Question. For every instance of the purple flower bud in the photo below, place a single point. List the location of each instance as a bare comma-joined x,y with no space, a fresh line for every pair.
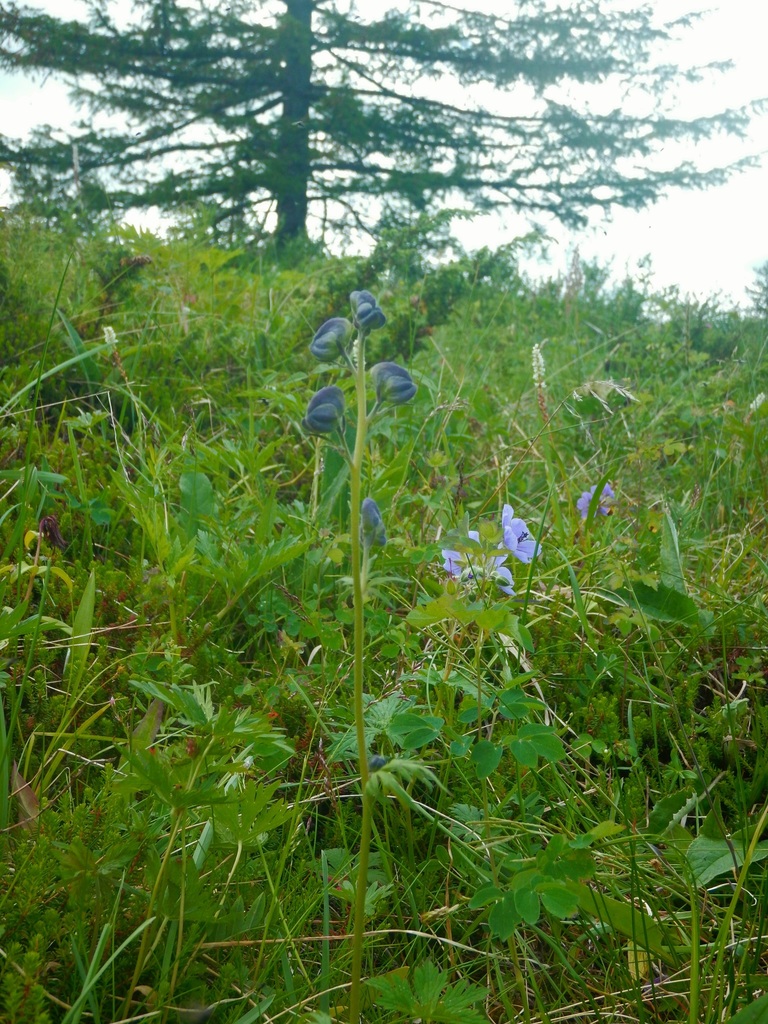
325,412
366,311
331,339
393,383
372,525
376,761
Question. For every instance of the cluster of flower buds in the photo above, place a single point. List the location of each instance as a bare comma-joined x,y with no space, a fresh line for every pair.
333,341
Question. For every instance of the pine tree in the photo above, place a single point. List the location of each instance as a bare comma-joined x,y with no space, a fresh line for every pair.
294,108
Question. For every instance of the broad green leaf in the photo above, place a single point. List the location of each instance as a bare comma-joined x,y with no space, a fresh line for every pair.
528,905
515,703
661,603
460,747
627,920
755,1013
710,858
411,730
198,500
487,894
447,606
558,899
534,741
486,757
492,619
524,753
504,917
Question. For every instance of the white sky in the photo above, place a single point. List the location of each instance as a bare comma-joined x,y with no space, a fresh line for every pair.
704,242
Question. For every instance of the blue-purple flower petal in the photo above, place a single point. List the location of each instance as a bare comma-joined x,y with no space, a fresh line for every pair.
583,503
517,537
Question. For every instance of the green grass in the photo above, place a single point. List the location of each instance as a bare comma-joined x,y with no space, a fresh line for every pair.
571,823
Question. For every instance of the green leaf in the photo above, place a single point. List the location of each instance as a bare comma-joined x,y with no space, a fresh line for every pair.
411,730
515,703
504,917
755,1013
528,905
710,858
662,603
558,899
430,996
486,757
78,348
80,642
198,500
671,564
665,810
534,741
627,920
444,607
492,619
487,894
460,747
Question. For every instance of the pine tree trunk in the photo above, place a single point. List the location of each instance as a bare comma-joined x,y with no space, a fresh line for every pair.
293,169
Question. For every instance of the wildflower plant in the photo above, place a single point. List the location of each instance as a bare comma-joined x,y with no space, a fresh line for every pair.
602,505
342,340
475,561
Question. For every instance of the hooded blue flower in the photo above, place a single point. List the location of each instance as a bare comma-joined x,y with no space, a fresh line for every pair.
393,383
469,566
325,412
517,537
330,340
366,312
372,525
583,503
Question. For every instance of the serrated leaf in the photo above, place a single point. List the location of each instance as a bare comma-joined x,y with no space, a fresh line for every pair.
665,810
430,997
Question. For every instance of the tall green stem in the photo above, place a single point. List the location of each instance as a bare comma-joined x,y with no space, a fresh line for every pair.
355,483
